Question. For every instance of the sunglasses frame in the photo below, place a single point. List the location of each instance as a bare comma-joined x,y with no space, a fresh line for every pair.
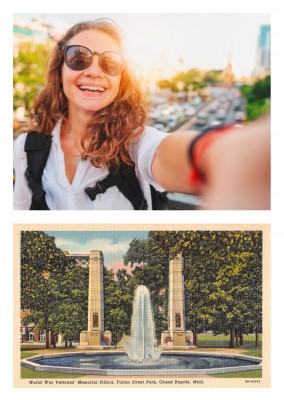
65,48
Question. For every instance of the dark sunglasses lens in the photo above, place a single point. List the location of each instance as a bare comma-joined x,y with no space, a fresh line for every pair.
78,58
111,63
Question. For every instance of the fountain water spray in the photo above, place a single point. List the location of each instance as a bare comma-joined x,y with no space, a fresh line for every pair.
142,343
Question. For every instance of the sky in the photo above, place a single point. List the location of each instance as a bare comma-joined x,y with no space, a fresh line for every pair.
163,44
113,244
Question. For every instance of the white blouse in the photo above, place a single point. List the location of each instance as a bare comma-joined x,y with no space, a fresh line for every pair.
61,195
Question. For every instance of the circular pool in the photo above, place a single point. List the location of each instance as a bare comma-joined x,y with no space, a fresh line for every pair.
118,363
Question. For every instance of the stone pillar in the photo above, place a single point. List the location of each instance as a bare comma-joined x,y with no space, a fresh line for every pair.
176,302
96,292
95,336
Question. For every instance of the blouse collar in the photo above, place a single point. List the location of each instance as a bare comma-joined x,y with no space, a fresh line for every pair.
56,132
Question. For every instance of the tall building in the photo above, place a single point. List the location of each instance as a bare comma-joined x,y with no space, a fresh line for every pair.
263,58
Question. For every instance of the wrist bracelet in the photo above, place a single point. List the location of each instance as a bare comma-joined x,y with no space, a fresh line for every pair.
197,147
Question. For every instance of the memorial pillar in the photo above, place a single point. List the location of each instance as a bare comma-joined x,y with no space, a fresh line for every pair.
176,302
95,336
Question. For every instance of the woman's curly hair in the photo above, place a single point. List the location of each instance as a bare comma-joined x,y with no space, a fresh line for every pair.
110,129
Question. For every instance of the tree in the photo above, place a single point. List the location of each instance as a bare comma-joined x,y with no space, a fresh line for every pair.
223,271
212,77
257,97
71,315
42,267
29,72
118,298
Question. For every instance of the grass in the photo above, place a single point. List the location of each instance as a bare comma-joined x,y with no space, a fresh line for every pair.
221,341
26,354
244,374
27,373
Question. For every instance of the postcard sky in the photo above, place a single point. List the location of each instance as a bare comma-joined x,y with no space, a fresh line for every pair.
113,244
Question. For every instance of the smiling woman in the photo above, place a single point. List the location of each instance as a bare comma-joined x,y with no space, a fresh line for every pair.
92,109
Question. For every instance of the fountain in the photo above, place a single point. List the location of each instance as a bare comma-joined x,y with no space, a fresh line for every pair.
142,343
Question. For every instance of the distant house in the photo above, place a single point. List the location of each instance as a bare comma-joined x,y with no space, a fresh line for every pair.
29,333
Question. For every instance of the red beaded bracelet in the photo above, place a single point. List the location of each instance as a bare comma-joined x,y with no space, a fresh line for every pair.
197,147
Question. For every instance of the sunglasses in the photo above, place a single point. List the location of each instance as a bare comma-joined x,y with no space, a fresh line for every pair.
79,58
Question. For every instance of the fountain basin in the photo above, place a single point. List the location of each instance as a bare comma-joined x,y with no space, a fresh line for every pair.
118,363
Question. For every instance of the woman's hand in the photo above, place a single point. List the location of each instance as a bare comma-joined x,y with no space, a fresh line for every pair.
236,167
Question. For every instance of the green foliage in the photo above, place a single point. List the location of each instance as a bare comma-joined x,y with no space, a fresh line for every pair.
257,97
194,78
71,316
42,264
118,298
223,278
29,72
55,292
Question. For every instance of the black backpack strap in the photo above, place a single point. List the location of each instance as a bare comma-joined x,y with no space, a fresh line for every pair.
159,199
37,147
126,181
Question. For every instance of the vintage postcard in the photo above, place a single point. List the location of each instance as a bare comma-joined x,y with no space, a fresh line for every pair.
157,306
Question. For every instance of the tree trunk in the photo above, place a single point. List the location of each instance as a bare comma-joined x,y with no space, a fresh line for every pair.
241,339
236,338
70,343
232,339
53,339
256,338
47,343
195,339
66,342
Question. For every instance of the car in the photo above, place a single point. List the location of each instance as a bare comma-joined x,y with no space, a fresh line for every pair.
201,120
240,116
238,105
172,122
221,114
215,123
159,126
213,108
196,101
189,111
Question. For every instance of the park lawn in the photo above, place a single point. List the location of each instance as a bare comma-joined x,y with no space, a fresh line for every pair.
222,341
27,354
27,373
243,374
